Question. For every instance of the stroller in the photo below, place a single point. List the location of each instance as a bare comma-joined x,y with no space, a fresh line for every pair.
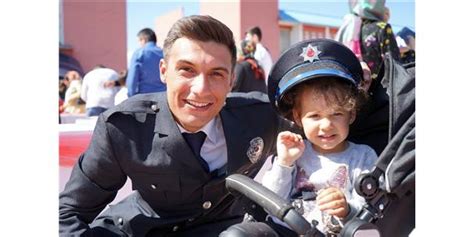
389,209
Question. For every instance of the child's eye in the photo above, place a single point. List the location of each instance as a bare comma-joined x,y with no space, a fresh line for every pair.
338,114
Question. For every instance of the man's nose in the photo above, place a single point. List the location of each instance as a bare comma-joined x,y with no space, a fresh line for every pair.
200,84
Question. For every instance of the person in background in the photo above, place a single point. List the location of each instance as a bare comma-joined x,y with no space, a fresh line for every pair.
143,72
367,22
121,84
72,100
406,43
97,96
177,146
63,85
122,93
249,76
262,55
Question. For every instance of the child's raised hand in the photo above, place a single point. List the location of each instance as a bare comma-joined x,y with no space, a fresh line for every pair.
290,147
333,202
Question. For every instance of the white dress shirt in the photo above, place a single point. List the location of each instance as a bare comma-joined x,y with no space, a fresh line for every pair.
214,149
94,93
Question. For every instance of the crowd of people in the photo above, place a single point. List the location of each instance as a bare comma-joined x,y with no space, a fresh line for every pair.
179,132
102,87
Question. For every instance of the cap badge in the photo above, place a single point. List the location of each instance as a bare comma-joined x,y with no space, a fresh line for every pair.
310,53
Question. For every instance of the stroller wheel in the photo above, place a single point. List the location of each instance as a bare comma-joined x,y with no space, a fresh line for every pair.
368,185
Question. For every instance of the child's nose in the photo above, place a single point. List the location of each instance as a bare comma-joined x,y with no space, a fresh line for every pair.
325,123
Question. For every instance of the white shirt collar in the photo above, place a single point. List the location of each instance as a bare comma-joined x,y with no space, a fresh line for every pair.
210,129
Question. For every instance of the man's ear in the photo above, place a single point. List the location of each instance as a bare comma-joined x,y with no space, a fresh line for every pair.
163,68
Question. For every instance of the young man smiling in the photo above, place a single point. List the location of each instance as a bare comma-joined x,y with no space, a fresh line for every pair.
179,187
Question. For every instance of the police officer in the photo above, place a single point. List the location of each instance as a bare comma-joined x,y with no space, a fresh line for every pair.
175,146
303,61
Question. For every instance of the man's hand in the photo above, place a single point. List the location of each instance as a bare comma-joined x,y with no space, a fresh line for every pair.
333,202
290,147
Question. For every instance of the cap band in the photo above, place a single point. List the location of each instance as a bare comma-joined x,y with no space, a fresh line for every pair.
284,84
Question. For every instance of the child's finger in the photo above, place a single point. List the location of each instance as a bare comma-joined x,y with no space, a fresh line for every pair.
333,205
329,194
339,212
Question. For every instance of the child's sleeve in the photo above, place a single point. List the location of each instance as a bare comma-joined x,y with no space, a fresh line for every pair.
279,179
355,202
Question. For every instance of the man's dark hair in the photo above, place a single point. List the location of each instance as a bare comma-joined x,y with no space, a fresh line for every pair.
201,28
256,31
147,34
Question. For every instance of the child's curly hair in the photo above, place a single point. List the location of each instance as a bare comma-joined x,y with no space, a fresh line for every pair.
336,92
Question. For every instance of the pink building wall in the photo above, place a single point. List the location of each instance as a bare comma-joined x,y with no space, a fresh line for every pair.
226,12
164,22
96,31
265,15
240,15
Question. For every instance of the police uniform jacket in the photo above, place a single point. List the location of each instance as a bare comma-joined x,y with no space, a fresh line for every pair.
140,139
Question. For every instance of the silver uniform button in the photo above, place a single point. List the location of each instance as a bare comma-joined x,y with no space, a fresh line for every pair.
154,107
120,220
153,186
207,205
175,228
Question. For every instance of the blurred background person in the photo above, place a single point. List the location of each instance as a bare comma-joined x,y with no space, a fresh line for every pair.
122,93
63,85
406,44
249,76
143,72
262,55
121,85
366,32
95,93
73,103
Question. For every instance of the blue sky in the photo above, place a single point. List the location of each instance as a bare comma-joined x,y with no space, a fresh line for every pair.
141,14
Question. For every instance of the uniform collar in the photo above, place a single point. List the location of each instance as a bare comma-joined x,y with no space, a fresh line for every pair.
210,129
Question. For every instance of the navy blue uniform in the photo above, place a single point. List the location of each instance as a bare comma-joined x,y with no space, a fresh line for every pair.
172,193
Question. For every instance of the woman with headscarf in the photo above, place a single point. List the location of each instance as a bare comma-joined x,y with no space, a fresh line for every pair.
366,32
249,76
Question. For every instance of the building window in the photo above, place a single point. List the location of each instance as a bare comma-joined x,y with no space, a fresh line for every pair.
285,39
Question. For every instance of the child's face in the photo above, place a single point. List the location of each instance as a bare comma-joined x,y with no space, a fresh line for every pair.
327,127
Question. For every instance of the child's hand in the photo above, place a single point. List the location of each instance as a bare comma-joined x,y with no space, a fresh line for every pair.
290,147
333,202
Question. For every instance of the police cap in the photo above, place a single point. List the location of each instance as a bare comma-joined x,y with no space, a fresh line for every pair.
311,59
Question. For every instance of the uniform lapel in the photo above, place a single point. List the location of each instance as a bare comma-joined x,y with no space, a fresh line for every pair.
172,142
237,136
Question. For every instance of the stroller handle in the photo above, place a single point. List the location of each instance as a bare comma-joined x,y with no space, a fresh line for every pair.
271,202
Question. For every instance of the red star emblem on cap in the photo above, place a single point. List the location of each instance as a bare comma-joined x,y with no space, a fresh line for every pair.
310,53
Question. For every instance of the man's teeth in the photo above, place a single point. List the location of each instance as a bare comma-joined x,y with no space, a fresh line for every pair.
197,104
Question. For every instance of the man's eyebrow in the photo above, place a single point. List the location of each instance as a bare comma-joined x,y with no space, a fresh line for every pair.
184,61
